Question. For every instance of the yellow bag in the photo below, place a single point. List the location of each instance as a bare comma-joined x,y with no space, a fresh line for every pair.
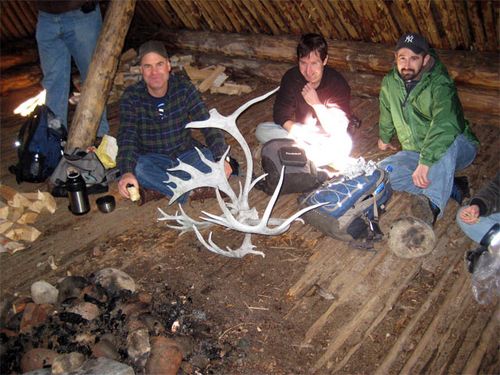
107,151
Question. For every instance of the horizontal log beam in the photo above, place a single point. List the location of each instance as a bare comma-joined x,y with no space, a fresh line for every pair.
472,68
362,84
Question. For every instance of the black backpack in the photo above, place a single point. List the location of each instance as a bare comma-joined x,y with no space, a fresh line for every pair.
300,173
39,145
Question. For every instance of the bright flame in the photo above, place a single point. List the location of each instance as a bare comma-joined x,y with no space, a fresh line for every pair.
25,108
328,144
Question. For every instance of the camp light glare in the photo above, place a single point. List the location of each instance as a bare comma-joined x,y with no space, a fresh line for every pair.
26,107
328,144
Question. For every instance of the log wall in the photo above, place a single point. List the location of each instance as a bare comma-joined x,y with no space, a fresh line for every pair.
448,24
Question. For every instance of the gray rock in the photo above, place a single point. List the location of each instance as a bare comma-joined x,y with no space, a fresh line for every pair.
103,366
114,280
86,310
71,287
105,348
138,345
64,363
43,292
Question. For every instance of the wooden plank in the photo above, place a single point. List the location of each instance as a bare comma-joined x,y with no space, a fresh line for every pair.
404,16
463,23
275,15
446,19
220,13
21,29
262,26
489,25
177,7
476,25
257,8
287,10
232,14
422,11
237,4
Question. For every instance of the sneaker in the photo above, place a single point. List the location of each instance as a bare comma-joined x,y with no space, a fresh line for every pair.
423,209
148,195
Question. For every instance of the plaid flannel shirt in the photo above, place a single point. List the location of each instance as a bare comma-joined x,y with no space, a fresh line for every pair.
146,127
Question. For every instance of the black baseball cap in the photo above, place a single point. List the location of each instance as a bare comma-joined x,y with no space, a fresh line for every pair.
152,46
416,42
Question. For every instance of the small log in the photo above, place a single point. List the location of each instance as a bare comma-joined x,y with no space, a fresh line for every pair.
128,56
5,225
205,85
196,74
13,197
100,76
4,210
231,89
28,218
45,201
22,232
15,213
7,245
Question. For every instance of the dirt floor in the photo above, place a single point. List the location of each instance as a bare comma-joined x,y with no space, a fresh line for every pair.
311,305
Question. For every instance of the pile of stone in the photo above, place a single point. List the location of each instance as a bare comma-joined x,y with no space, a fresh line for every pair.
99,325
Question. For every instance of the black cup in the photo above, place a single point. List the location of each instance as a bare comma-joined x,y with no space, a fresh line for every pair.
106,204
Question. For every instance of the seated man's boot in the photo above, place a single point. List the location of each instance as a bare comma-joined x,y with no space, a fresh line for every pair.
148,195
460,189
422,208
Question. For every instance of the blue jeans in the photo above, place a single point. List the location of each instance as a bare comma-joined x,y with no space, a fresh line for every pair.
269,130
151,170
61,37
459,155
477,231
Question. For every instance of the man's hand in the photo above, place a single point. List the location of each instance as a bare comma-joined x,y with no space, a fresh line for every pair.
385,146
420,176
127,178
310,95
470,214
227,169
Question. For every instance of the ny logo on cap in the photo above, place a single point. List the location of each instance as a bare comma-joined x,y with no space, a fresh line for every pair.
409,39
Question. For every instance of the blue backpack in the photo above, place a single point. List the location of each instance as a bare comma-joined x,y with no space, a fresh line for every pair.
39,146
349,210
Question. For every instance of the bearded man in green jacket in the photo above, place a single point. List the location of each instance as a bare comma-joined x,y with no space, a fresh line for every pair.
419,104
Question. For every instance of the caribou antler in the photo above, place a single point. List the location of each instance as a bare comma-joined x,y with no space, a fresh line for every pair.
237,214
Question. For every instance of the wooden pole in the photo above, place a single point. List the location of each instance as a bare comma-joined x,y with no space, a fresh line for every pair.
100,76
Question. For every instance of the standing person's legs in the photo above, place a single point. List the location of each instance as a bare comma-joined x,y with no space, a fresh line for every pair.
55,61
81,32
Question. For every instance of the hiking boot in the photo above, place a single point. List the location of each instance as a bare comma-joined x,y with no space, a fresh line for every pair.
148,195
422,208
460,189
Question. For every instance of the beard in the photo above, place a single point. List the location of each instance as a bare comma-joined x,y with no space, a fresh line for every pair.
408,74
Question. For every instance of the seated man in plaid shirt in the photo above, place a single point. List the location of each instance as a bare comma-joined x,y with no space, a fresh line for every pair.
153,117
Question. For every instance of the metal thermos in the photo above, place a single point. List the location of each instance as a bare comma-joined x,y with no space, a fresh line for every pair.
77,193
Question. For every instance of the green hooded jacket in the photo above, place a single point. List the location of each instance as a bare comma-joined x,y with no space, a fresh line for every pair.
428,119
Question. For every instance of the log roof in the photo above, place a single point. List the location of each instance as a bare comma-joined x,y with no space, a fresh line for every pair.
447,24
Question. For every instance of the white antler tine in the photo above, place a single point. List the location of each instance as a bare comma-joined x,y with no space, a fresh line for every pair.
274,197
248,104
